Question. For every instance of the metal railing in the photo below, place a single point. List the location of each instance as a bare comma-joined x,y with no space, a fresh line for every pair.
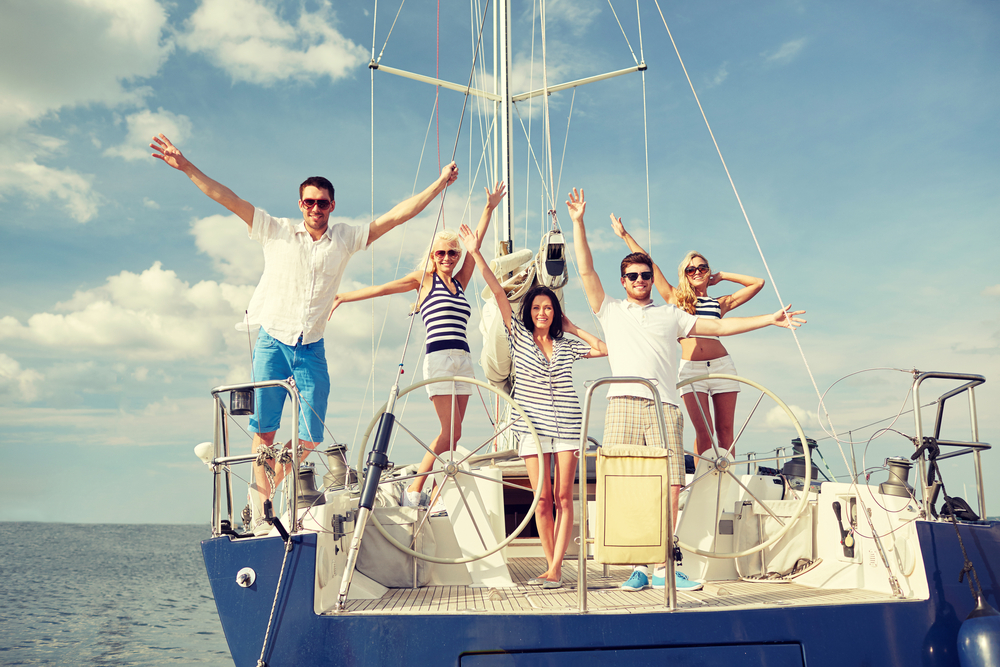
973,447
222,482
670,589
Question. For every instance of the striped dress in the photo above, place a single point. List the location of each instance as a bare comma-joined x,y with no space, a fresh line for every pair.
544,388
445,317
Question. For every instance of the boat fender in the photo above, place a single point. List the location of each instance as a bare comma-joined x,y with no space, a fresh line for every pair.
979,637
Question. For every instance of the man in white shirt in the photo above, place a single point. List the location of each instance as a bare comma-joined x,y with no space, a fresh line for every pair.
642,341
303,264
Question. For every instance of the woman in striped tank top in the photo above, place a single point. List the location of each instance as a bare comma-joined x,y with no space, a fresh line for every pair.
543,386
440,281
701,355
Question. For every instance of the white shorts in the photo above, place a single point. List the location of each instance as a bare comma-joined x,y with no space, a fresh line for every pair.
529,447
445,363
691,369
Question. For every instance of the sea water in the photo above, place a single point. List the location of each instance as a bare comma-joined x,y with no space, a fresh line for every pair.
104,594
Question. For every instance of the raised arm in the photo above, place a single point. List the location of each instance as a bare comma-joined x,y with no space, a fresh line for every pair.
584,260
731,326
172,156
408,282
492,201
597,346
408,208
471,241
750,284
663,285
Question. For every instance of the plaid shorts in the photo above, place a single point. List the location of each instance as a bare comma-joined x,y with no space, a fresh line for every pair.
631,420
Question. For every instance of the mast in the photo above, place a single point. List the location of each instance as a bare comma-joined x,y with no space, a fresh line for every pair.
503,137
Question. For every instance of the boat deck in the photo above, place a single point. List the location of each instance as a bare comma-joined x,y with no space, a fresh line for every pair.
603,595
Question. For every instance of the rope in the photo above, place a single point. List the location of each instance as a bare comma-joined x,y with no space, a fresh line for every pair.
277,591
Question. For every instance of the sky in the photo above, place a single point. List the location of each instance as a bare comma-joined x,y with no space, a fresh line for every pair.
860,135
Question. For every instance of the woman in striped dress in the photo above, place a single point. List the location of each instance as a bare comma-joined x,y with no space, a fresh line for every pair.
701,355
440,283
543,386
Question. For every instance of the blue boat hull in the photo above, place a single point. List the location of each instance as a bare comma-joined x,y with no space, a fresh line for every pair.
910,633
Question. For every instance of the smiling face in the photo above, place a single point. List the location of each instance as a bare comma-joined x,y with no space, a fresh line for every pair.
312,203
445,255
638,290
542,313
698,273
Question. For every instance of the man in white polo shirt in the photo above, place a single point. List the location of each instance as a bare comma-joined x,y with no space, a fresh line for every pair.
304,261
642,341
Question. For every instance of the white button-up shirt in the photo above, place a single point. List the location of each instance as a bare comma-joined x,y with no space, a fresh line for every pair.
642,341
301,276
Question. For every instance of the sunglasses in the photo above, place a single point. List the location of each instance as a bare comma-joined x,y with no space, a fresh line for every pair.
633,276
322,203
701,268
441,254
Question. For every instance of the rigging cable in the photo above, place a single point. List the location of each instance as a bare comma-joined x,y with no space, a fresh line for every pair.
746,217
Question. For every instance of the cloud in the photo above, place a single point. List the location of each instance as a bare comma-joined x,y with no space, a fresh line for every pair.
19,384
777,418
149,316
64,53
93,52
786,52
224,239
21,171
252,43
141,128
720,76
992,290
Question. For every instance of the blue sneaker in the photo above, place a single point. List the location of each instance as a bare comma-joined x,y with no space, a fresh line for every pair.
682,582
637,582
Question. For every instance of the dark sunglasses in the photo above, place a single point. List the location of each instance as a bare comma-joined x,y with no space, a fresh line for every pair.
701,268
633,276
440,254
322,203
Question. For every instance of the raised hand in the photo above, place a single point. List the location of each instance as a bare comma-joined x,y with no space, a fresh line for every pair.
787,319
618,227
576,205
469,238
168,152
493,198
715,278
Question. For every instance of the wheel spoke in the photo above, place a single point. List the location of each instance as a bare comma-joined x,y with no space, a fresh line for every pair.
488,441
468,509
694,481
749,416
756,499
509,485
419,441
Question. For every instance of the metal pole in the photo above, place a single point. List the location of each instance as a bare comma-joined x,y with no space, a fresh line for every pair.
974,417
216,435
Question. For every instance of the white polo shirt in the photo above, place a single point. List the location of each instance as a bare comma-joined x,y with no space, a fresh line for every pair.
642,341
301,276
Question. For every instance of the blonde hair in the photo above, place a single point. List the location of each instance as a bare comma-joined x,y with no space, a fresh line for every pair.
684,294
451,237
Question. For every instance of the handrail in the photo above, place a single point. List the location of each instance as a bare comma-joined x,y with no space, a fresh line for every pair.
670,589
221,457
974,446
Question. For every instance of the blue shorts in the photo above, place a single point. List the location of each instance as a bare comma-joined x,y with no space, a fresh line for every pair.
273,360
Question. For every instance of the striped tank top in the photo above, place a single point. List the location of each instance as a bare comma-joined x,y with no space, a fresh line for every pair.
445,317
709,308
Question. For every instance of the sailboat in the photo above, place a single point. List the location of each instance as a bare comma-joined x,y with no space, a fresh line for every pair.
798,569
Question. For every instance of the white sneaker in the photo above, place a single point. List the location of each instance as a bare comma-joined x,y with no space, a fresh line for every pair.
413,499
